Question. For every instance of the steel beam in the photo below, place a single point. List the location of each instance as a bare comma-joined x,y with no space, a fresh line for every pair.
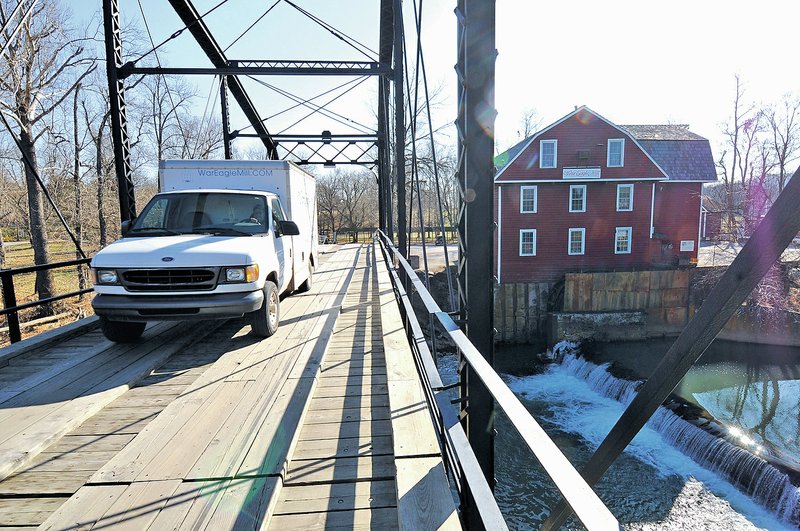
476,66
373,69
226,121
191,18
400,131
119,122
385,45
762,250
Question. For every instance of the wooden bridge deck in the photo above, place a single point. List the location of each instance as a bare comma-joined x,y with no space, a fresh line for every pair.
202,426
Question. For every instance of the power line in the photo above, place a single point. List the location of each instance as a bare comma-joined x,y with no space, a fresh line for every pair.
252,25
174,35
158,62
319,108
337,33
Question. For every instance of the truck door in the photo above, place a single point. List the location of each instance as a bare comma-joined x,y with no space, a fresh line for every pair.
283,246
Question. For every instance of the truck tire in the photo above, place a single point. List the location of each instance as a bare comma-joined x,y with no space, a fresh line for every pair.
265,320
122,331
305,286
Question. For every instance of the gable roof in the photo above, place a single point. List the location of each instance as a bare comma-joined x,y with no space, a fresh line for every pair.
505,159
684,155
662,132
511,153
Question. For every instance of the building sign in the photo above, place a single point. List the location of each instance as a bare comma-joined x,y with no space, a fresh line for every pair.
581,173
687,245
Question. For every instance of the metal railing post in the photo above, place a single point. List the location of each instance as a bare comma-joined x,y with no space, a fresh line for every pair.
10,301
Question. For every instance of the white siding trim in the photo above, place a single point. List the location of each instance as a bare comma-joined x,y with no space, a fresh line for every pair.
629,230
553,141
499,230
700,224
652,211
619,186
535,199
585,200
527,231
621,153
583,241
621,180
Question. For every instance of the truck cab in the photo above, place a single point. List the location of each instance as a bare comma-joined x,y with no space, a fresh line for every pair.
203,253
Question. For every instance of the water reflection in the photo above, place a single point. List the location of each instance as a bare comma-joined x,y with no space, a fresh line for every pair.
752,390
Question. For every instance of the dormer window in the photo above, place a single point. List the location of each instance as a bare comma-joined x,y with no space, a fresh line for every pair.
548,153
616,153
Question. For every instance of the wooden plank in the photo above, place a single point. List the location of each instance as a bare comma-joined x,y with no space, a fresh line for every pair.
340,469
28,439
337,497
190,505
343,447
275,438
346,430
324,416
41,483
27,511
91,443
379,518
138,505
244,504
46,338
335,403
366,380
68,462
84,509
351,391
174,458
424,499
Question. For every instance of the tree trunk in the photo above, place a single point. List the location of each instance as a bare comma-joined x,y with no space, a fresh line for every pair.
100,184
44,279
76,179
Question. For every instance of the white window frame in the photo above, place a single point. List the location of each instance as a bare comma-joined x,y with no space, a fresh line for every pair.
582,232
620,187
555,153
574,187
621,141
629,231
522,199
527,231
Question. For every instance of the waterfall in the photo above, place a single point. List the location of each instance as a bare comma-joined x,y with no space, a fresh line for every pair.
749,472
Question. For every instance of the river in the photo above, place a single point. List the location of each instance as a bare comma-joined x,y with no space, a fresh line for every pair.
673,475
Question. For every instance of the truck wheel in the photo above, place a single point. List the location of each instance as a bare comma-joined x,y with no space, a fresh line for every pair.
305,286
265,319
122,331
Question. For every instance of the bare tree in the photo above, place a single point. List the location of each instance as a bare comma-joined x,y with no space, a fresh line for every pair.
165,104
745,146
329,203
529,123
39,71
784,125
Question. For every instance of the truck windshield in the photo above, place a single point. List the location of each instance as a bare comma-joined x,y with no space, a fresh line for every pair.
223,214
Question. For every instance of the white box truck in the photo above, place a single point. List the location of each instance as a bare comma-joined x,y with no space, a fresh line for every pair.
221,239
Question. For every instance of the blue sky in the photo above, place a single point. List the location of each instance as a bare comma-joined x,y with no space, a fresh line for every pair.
630,61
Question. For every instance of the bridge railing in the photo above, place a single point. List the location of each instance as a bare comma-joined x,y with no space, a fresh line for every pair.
458,454
10,307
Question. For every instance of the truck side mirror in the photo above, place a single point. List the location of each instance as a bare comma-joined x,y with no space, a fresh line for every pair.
126,226
288,228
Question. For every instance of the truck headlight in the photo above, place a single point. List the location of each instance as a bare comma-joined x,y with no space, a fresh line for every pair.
105,276
242,274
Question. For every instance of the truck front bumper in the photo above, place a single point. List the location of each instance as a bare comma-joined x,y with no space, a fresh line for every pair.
176,307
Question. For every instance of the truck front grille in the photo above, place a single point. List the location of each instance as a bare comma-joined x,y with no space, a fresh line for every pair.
170,279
